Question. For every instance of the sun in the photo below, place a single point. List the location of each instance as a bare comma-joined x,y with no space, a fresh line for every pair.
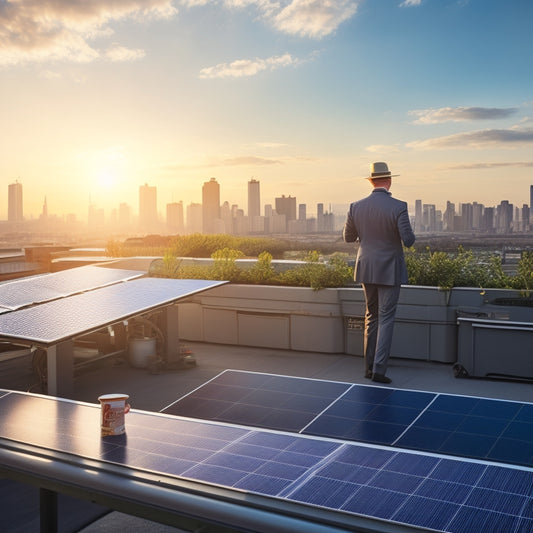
106,179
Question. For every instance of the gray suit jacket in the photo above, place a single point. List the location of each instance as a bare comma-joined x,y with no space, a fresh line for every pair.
381,224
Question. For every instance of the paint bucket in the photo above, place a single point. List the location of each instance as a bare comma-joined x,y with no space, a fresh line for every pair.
113,409
140,350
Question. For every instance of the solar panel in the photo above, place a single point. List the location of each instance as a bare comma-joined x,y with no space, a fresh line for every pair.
352,479
457,425
45,287
52,322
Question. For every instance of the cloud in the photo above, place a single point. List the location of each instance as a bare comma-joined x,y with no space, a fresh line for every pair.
477,139
61,30
460,114
410,3
246,67
314,18
250,160
305,18
477,166
383,148
121,53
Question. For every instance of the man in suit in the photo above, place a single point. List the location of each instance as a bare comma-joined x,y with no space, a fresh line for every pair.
381,224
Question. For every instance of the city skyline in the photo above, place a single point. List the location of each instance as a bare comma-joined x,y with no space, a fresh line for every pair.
214,215
101,97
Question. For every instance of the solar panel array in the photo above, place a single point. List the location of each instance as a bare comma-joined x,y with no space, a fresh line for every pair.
412,488
457,425
46,287
54,321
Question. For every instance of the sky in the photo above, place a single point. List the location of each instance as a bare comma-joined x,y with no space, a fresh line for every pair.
100,97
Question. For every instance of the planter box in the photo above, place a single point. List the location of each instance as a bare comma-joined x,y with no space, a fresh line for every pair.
292,318
332,320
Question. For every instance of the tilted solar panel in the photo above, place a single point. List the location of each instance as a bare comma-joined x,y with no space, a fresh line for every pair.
45,287
52,322
412,488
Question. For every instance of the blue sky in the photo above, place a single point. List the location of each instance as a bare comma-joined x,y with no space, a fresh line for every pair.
100,97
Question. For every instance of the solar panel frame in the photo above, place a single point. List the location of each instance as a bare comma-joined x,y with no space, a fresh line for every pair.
349,479
58,320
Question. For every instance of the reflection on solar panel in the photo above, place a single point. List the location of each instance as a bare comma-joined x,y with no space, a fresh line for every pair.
457,425
412,488
27,291
52,322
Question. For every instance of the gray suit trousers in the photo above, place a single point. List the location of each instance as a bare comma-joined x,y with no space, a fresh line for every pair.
381,301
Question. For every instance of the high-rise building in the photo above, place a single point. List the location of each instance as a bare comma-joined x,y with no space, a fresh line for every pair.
449,217
504,217
467,215
44,214
194,218
14,206
320,217
175,217
524,218
429,218
210,205
531,205
147,208
227,215
286,205
254,198
418,216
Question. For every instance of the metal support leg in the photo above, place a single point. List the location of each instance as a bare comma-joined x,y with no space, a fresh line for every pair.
170,330
48,510
60,365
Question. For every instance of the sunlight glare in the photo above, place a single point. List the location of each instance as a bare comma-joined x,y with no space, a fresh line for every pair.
106,179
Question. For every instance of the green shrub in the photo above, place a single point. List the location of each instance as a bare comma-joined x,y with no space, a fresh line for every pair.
318,275
262,272
463,269
224,265
524,275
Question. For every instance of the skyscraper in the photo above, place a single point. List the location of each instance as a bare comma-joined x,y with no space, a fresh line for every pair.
14,206
194,218
175,217
418,216
210,205
286,205
531,204
254,199
147,207
320,217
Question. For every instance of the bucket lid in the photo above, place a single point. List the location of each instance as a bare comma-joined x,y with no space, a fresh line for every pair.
118,396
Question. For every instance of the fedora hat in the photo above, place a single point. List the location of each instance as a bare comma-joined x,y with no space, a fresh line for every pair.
380,170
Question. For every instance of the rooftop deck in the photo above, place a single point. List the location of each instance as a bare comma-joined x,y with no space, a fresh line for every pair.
153,392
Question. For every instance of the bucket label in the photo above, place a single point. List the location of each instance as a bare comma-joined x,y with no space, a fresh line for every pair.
112,415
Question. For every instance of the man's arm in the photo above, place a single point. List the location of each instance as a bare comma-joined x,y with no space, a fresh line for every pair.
404,227
349,233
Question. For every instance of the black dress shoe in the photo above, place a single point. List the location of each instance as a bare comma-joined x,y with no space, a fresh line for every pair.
381,378
369,374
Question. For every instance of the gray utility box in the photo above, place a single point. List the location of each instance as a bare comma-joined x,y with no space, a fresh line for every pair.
494,348
425,327
496,338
